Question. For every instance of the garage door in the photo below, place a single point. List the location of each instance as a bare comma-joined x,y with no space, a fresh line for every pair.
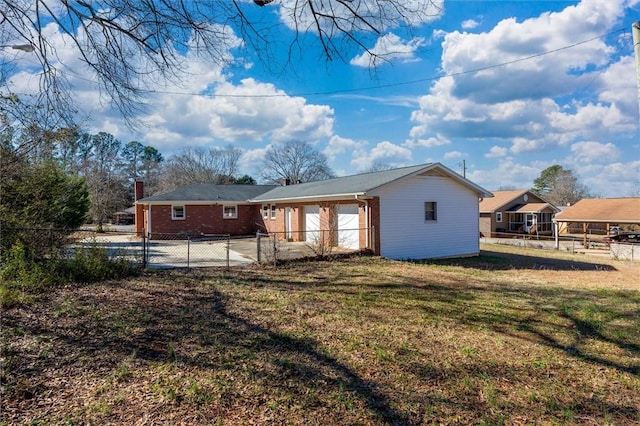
348,224
312,223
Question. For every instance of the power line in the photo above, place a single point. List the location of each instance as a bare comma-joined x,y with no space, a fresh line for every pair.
384,86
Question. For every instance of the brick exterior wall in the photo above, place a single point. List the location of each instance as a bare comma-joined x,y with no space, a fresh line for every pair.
327,221
206,219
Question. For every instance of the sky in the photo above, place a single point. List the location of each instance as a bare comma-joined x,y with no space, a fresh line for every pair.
494,90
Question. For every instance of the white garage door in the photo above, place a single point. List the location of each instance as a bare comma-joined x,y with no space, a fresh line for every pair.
348,224
312,223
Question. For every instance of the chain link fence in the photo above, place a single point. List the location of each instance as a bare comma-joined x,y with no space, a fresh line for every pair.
161,251
164,251
64,243
187,251
324,243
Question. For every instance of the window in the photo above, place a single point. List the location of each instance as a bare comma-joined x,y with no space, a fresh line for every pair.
499,217
273,211
430,211
177,212
265,211
230,212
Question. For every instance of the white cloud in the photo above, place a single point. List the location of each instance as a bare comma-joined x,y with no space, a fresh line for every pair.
506,173
389,48
452,155
497,152
594,152
383,152
417,142
469,24
251,161
529,103
338,145
234,114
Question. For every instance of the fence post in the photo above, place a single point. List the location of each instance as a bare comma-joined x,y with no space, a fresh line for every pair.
373,240
258,246
228,244
188,249
144,250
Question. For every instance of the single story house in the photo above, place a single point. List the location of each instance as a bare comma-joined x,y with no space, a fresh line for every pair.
417,212
599,215
200,209
516,212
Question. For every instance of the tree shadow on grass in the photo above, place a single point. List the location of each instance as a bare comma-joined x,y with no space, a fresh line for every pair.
493,260
191,327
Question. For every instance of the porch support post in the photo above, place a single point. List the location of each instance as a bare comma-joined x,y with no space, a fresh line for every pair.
584,234
556,228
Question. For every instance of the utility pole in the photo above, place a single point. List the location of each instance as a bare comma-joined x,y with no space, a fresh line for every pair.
464,168
635,29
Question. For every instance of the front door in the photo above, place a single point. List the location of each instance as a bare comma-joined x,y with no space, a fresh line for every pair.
530,222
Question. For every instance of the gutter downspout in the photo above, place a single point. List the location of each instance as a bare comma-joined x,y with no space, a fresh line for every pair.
149,222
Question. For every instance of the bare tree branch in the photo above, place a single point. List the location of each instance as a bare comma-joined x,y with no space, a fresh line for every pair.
130,44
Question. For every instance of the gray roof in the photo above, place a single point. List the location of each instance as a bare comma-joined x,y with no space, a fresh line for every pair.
205,192
357,184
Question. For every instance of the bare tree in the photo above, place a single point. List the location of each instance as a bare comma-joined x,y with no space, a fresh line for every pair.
107,189
199,165
559,186
295,162
157,33
378,166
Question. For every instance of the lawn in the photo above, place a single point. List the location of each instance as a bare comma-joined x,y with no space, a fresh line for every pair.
514,336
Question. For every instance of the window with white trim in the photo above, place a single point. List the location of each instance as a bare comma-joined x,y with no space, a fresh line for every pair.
230,212
499,217
177,212
265,211
430,211
273,211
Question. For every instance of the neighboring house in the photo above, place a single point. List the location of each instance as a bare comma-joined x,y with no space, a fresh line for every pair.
598,215
124,217
200,209
518,211
418,212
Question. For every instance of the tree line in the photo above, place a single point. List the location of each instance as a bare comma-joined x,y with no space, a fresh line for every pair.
97,172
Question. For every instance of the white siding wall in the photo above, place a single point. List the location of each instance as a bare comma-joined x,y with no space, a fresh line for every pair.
404,234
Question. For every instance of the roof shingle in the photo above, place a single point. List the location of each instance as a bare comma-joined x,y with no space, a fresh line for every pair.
203,192
614,210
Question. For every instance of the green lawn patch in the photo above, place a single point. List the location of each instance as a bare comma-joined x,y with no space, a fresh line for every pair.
354,341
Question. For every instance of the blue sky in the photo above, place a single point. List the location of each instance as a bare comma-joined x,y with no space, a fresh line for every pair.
507,88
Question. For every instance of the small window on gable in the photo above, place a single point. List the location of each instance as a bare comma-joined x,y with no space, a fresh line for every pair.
273,211
177,212
230,212
430,211
499,217
265,211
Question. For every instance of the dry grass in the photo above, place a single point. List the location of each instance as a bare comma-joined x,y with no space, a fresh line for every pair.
512,337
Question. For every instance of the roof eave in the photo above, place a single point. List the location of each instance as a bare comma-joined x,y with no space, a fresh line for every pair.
191,202
310,199
450,173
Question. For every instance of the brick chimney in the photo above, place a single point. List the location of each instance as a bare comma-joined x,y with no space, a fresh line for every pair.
138,190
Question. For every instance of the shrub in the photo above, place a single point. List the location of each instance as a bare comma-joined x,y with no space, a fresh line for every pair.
23,275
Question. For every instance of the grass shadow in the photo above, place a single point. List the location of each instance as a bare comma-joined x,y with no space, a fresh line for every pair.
495,260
